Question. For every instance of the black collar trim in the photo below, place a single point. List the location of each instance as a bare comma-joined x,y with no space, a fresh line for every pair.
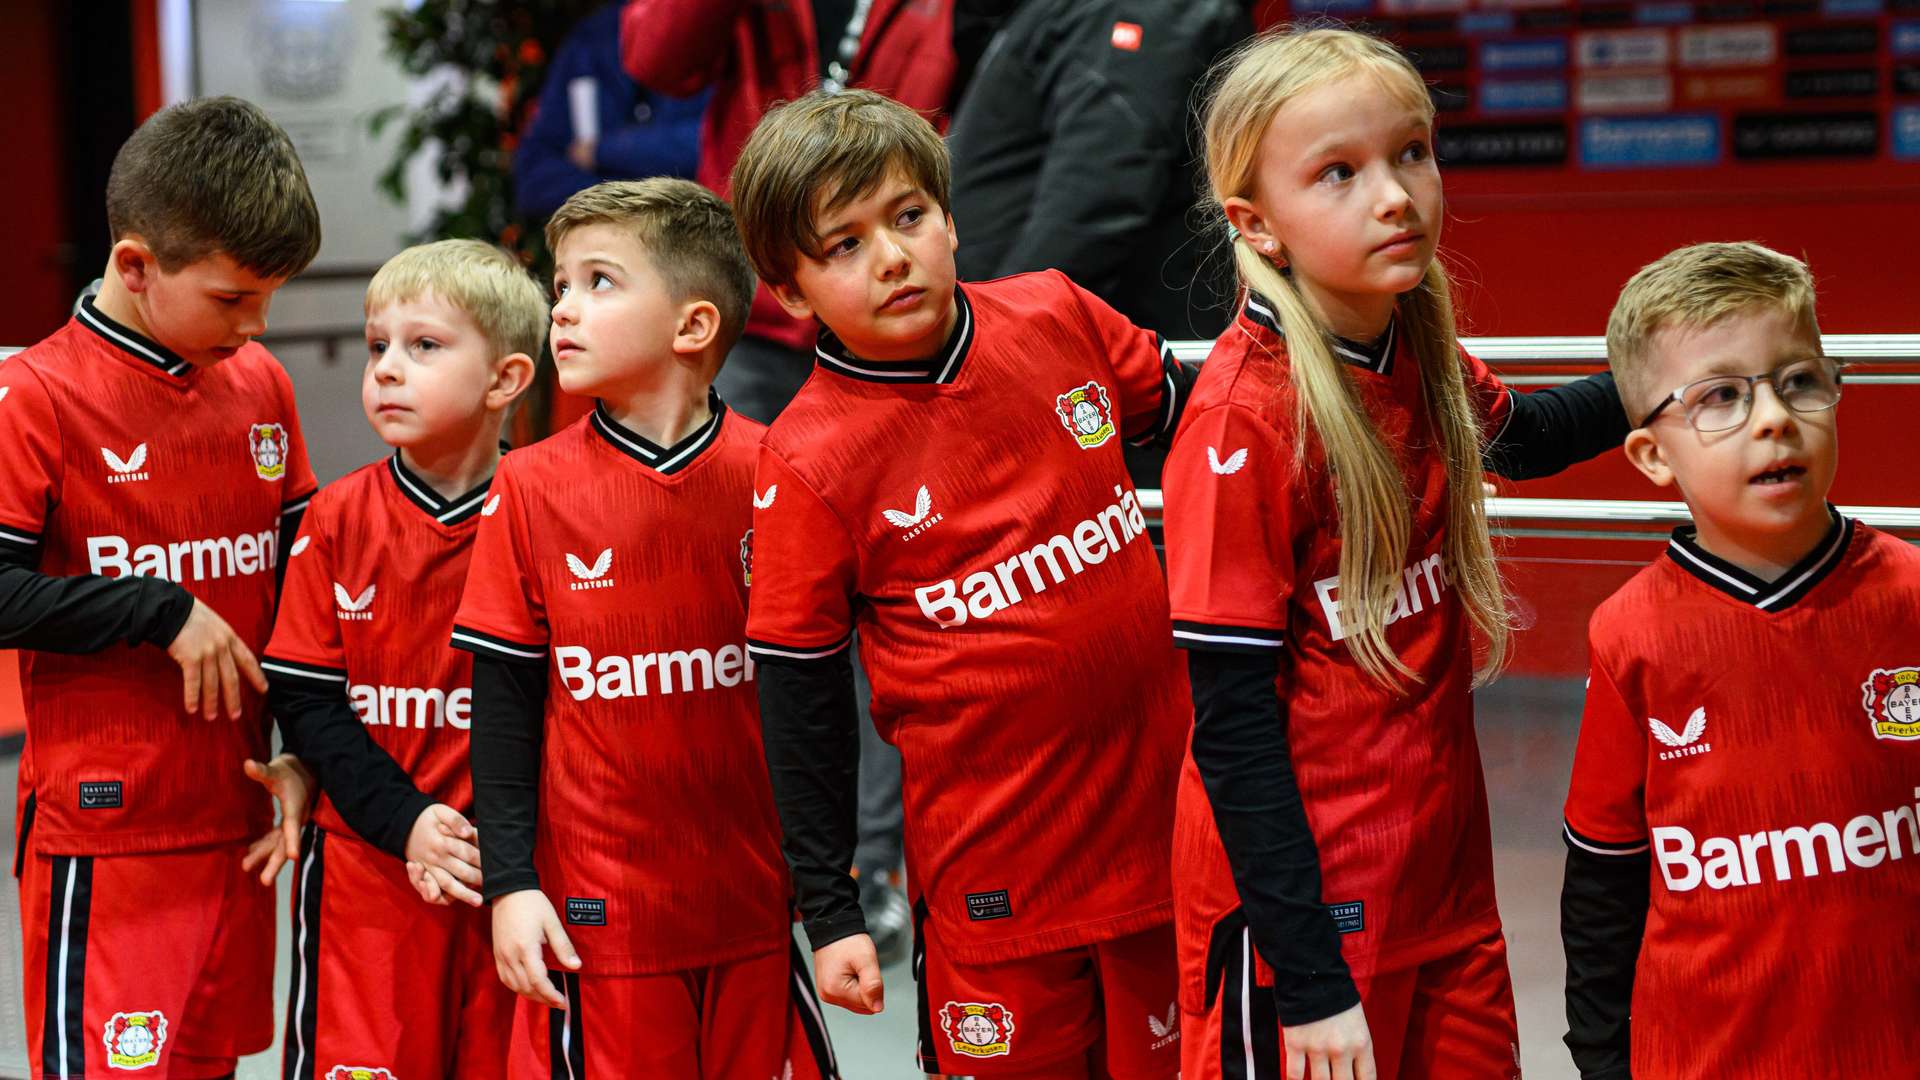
941,368
1376,357
421,494
131,342
666,460
1776,595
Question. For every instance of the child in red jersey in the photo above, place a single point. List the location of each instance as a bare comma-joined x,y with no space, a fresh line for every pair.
619,788
1741,825
366,687
949,482
1328,559
154,466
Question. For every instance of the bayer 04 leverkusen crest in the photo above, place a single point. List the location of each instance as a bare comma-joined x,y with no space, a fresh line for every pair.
268,444
1086,413
1892,700
979,1030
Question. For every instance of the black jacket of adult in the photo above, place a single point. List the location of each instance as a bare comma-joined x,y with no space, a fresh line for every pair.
1074,149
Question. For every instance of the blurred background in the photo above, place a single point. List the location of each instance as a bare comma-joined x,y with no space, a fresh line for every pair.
1578,141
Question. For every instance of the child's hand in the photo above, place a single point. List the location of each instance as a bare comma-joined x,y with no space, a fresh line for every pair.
1337,1048
848,975
292,788
213,660
442,862
522,922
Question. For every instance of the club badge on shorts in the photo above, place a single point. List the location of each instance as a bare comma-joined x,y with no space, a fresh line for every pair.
268,442
134,1039
746,558
358,1072
978,1030
1892,700
1086,413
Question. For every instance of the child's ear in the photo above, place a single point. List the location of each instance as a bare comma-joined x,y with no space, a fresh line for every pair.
698,328
1253,227
1646,454
510,379
133,260
791,299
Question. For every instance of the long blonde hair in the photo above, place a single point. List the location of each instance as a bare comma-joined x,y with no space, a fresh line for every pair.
1370,493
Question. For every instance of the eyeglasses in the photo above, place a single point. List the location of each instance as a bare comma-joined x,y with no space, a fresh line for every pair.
1723,402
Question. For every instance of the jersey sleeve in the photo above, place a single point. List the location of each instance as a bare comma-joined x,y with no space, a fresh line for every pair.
1490,394
306,633
800,606
301,483
503,613
1152,384
30,446
1606,798
1232,514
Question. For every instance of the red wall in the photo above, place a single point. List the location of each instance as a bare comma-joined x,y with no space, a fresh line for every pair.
32,204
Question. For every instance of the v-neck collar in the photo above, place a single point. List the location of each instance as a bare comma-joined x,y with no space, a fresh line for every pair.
135,345
941,368
446,511
1375,356
666,460
1743,585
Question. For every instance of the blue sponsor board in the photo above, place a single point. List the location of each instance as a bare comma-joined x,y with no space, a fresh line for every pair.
1906,133
1523,95
1663,14
1539,54
1334,7
1906,38
1486,22
1841,9
1629,142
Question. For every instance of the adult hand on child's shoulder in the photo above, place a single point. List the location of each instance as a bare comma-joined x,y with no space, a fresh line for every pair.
442,861
847,973
524,921
213,660
1337,1048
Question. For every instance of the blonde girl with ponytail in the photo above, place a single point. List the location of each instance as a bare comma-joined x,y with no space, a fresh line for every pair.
1334,584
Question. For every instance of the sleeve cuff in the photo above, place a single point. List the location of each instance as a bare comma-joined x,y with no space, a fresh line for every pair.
1220,637
1603,847
173,605
1304,1002
498,648
825,931
775,652
494,887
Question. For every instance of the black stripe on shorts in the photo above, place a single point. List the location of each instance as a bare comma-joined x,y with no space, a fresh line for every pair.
63,1038
567,1033
303,998
1249,1019
806,1013
928,1062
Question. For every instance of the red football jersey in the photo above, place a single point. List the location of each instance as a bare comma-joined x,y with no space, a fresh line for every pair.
372,583
1391,781
623,566
1763,739
123,459
971,516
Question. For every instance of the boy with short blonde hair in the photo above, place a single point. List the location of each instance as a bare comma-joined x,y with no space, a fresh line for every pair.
1744,788
378,705
620,792
155,468
950,483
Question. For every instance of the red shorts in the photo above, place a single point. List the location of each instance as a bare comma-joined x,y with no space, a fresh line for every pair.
156,963
1448,1019
1105,1009
745,1020
385,984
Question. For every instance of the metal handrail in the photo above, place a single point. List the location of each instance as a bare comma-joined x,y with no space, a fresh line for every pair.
1501,510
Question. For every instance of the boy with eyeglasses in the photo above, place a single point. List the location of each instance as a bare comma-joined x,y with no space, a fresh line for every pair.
1743,824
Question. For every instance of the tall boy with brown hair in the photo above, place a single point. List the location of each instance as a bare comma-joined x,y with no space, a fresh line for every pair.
626,829
949,483
154,468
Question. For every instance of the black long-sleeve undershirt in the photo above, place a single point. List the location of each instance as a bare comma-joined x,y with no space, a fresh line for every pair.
503,749
1241,749
809,725
1240,746
374,795
1603,917
1559,426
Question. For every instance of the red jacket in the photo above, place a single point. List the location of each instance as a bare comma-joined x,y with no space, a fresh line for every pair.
758,53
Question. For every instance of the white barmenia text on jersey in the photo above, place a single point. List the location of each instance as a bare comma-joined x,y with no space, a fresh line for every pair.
1407,599
1721,862
610,677
185,560
983,593
411,706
